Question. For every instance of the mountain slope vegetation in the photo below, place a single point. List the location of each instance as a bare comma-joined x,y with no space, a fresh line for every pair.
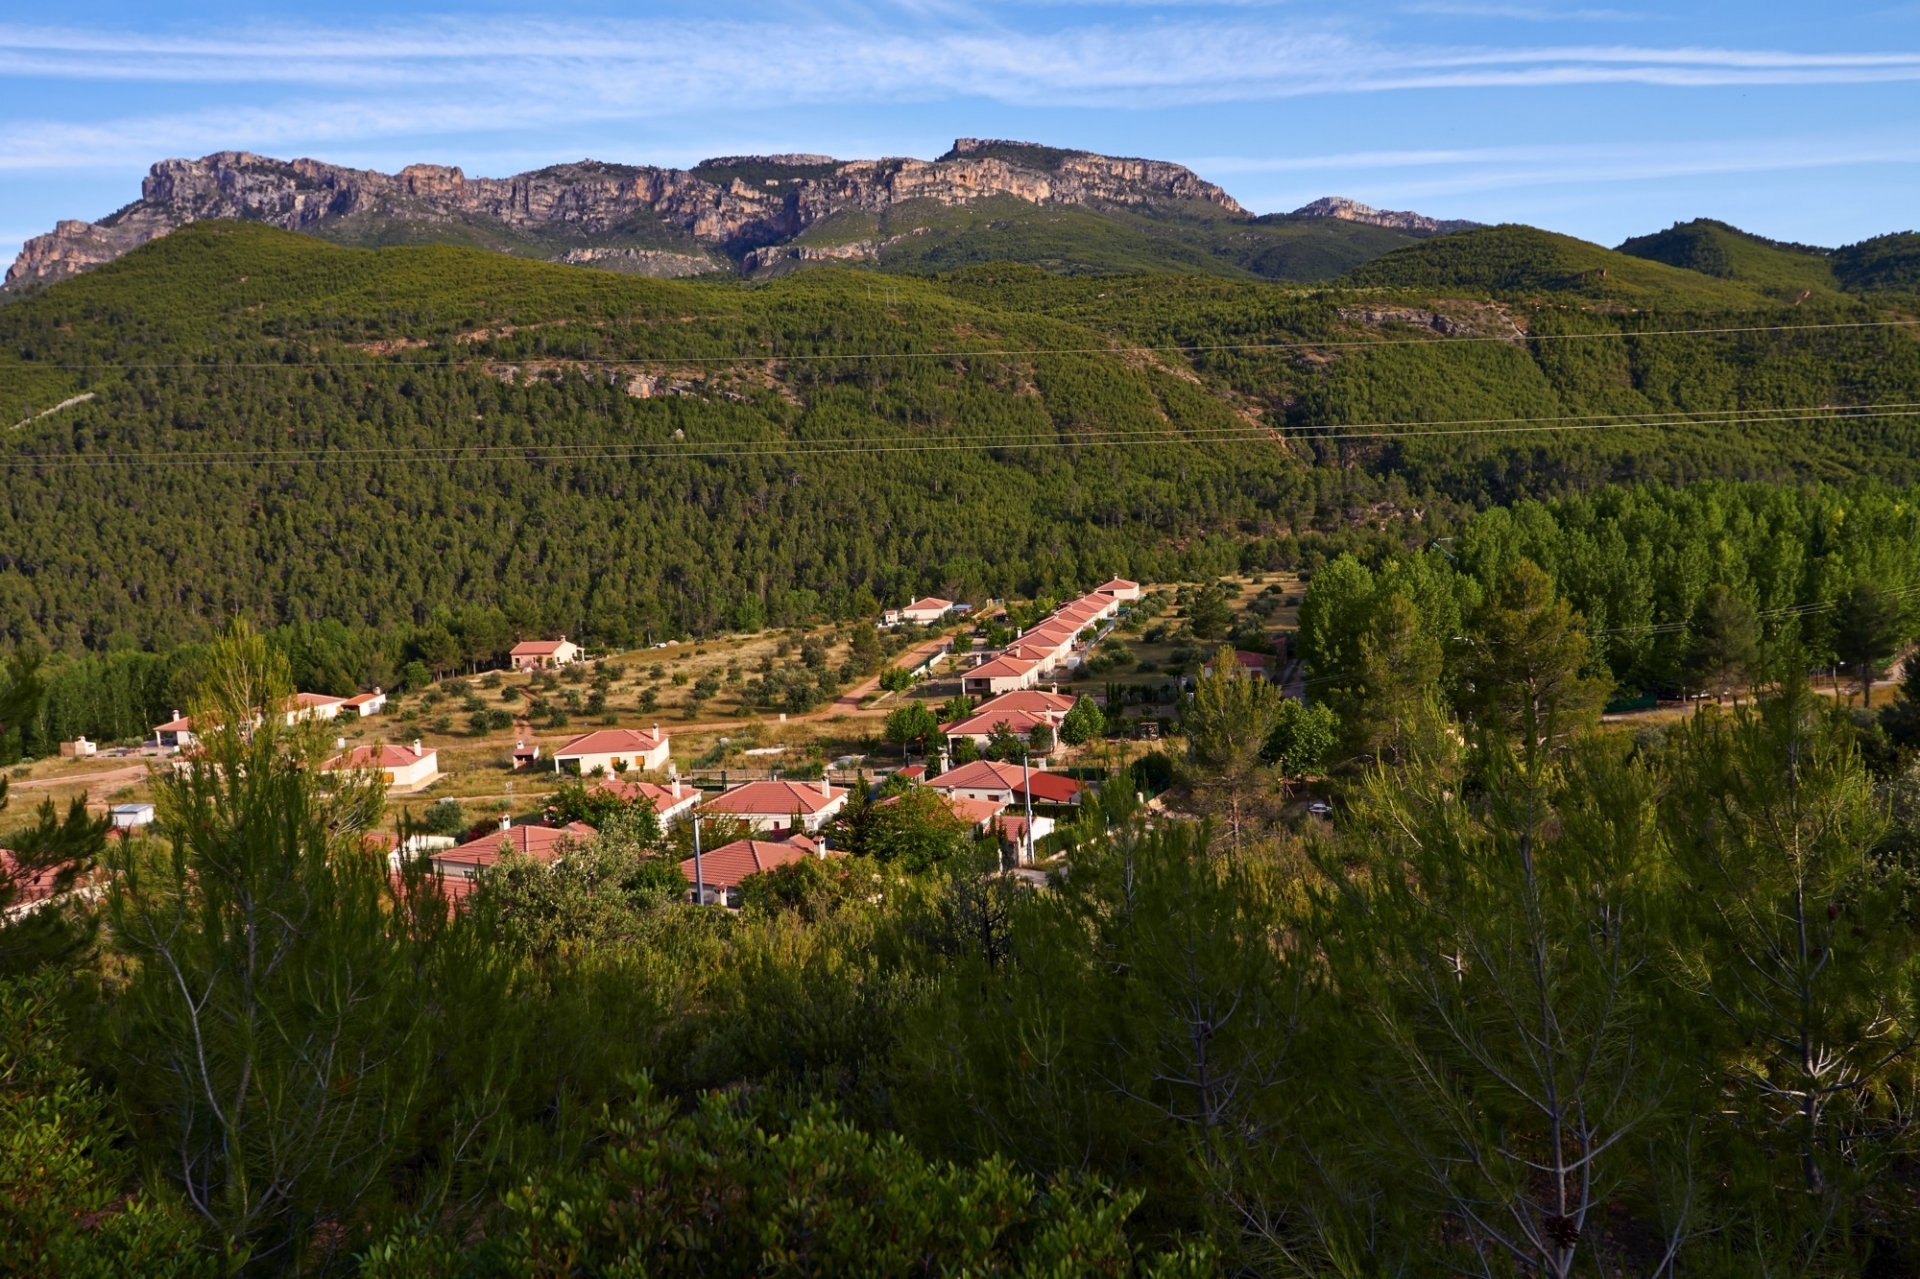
296,431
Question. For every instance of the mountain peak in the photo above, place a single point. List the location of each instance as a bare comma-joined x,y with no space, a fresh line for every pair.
1339,206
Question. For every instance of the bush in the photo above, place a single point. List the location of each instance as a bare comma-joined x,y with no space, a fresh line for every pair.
444,817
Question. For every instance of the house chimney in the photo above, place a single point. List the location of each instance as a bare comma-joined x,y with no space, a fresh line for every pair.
506,821
826,791
416,746
176,714
676,786
378,691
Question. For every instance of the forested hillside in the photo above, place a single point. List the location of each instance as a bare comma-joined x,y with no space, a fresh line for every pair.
297,431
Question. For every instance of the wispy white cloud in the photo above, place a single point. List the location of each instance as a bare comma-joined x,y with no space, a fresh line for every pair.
639,64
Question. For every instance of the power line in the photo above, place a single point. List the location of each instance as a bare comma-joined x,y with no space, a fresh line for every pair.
880,445
775,357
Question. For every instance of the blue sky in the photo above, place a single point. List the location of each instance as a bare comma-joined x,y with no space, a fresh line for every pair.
1602,118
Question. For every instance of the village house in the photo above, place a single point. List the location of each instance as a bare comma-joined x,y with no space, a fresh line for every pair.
1254,664
721,870
1050,703
534,655
78,748
405,768
545,844
365,704
1001,675
1120,589
981,726
774,806
670,802
176,734
921,612
1006,784
306,706
613,750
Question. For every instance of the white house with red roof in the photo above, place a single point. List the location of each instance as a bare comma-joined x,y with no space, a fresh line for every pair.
922,612
534,655
980,725
1002,675
365,704
406,768
773,806
613,750
1035,701
670,802
1006,783
1258,665
541,843
176,734
721,870
1120,588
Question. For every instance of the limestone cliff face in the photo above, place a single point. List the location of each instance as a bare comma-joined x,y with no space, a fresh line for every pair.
1337,206
734,215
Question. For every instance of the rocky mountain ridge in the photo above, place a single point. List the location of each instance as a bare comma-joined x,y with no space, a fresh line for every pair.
1338,206
727,213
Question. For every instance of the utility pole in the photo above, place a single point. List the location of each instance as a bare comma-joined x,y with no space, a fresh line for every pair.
699,881
1026,793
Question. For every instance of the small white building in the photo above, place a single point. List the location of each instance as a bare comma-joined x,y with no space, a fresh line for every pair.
1001,675
670,802
130,816
533,655
176,733
1120,588
406,768
921,612
773,806
365,704
78,748
305,706
613,750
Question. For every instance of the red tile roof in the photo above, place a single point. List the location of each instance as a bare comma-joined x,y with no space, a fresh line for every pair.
541,843
30,885
1035,701
929,602
982,723
987,774
534,648
772,799
381,756
1118,584
1000,667
727,865
612,741
661,797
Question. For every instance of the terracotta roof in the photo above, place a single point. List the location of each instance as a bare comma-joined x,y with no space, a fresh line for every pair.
1118,584
29,885
988,774
983,722
929,602
612,741
773,799
381,756
361,699
1251,661
1034,700
1001,666
314,699
661,797
727,865
541,843
529,648
174,725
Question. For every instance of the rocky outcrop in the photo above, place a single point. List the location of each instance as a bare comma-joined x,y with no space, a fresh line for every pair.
654,262
1336,206
734,215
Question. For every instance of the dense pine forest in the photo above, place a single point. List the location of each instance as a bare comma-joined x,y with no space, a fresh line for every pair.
1526,991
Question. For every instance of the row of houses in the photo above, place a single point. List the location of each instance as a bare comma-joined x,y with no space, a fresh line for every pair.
178,732
785,819
1048,645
